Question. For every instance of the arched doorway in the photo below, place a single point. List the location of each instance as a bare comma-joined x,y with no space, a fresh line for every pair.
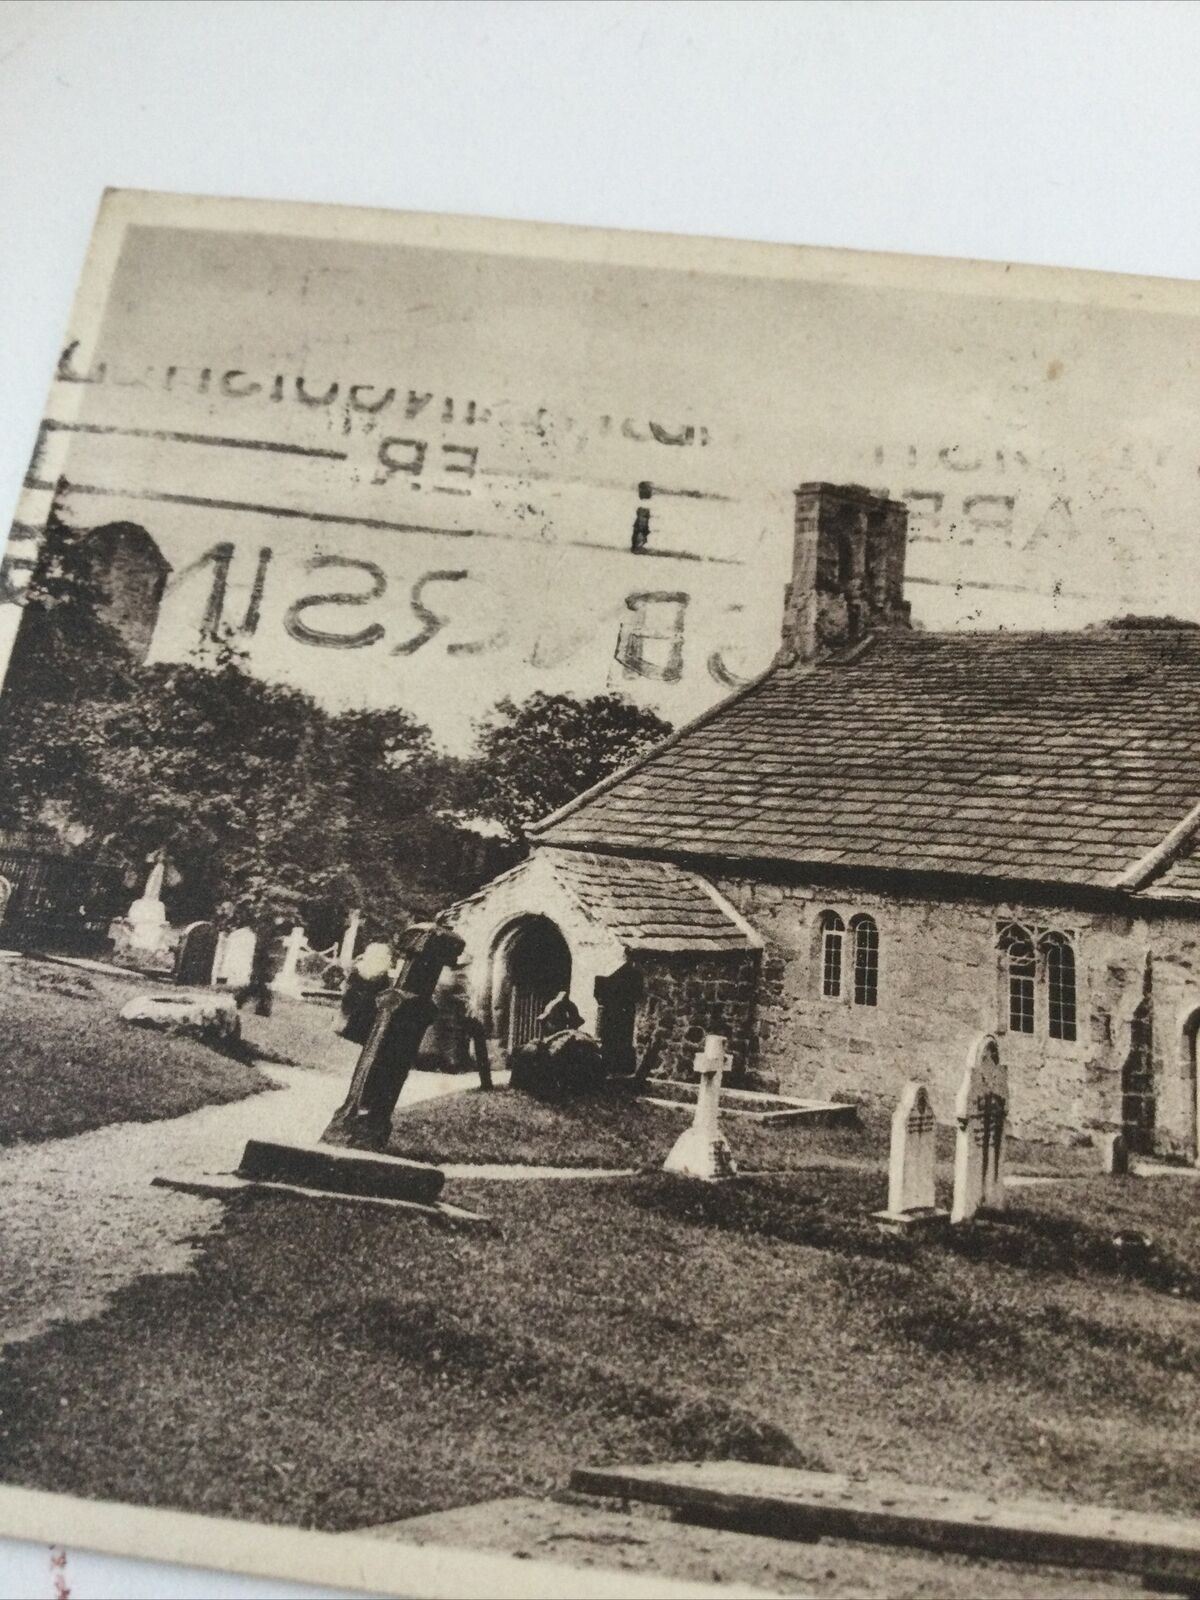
532,964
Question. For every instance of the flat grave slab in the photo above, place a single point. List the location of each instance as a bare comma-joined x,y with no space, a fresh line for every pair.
648,1542
218,1184
342,1171
787,1503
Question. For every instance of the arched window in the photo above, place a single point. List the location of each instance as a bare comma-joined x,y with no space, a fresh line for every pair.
866,960
1020,969
832,937
1060,985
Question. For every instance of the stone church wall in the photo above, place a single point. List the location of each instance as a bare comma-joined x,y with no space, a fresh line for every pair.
1174,946
940,986
687,996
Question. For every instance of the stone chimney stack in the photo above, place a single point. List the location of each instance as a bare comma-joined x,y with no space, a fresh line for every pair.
847,570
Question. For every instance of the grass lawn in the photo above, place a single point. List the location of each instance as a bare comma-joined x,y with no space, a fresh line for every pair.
619,1131
604,1130
332,1366
67,1064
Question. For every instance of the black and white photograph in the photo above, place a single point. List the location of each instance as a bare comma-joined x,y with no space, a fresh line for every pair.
600,913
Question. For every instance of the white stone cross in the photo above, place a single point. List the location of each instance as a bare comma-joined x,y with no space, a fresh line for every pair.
703,1151
287,980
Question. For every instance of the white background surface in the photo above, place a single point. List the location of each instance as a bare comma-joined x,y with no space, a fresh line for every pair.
1060,133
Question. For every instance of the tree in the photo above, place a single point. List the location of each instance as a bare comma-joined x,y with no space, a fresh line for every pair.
535,757
270,806
67,663
265,804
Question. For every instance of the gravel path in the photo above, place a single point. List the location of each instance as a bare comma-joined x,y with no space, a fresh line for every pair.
79,1217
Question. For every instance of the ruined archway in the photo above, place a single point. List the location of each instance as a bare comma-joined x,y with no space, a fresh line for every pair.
531,963
130,574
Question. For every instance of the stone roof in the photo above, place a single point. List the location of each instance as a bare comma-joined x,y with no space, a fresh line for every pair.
1048,757
1181,880
644,905
650,905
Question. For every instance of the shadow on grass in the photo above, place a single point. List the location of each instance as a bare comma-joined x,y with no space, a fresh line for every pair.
254,1054
1044,1241
450,1346
830,1209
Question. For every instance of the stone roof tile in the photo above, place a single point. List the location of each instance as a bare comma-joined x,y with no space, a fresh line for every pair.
1060,757
649,905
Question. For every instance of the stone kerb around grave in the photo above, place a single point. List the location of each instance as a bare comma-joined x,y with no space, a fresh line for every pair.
980,1112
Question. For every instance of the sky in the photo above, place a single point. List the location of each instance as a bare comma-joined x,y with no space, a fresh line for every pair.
403,457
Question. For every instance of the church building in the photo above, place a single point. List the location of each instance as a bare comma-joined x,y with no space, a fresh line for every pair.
890,842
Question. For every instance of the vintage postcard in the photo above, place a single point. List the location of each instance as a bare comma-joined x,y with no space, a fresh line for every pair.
600,915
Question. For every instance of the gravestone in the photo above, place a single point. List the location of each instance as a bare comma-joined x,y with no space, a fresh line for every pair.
980,1112
237,962
287,980
196,953
364,1119
912,1200
1114,1155
147,916
703,1151
349,941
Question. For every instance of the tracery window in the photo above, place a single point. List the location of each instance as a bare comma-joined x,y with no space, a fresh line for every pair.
1038,979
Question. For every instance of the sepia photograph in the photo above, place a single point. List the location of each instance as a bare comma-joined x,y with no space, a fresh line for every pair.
600,914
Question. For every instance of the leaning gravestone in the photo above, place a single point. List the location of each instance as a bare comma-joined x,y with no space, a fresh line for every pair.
351,1158
980,1111
403,1014
912,1200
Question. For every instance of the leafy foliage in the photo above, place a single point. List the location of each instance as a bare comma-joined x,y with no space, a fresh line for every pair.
535,757
266,805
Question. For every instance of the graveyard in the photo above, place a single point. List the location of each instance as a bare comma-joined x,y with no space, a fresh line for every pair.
398,1369
618,1131
67,1064
1046,1345
615,1272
